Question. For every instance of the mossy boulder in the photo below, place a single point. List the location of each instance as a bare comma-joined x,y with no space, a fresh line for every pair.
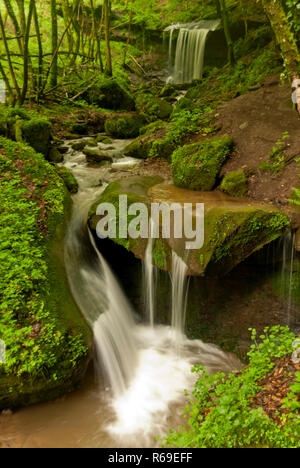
37,133
104,139
124,127
153,108
97,155
23,126
109,94
48,343
233,229
152,142
235,184
68,178
55,155
197,166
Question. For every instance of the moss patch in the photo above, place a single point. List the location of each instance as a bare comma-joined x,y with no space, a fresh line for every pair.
124,127
152,107
235,184
197,166
47,340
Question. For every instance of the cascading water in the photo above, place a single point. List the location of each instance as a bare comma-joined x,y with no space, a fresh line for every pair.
145,372
150,278
179,298
190,49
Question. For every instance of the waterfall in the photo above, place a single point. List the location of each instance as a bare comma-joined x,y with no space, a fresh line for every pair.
190,50
179,297
150,277
145,372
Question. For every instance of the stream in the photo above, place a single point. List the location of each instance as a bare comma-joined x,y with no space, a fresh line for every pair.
135,390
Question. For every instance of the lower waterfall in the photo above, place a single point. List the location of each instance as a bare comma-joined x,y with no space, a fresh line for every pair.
146,375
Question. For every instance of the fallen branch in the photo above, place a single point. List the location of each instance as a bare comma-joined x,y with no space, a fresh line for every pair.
137,63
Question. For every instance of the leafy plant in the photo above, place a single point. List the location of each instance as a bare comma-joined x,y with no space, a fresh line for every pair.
221,414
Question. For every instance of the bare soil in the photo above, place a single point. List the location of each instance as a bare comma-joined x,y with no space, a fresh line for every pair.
256,121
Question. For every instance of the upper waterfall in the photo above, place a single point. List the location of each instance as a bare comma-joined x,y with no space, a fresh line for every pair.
190,48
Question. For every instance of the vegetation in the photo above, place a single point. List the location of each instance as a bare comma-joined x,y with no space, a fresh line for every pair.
197,166
235,184
94,70
222,412
42,345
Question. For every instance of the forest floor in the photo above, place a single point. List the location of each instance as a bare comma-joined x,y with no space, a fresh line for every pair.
257,121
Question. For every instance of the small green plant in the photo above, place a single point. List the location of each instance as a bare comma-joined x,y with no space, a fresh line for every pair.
276,163
221,412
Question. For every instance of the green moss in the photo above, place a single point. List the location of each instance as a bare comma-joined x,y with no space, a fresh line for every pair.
37,133
136,189
109,93
123,127
46,337
68,178
184,104
152,107
235,184
152,143
160,254
232,235
197,166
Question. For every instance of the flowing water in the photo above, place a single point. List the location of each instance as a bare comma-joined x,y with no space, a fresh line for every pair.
190,49
142,369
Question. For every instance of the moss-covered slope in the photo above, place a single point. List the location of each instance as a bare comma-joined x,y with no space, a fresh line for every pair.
47,341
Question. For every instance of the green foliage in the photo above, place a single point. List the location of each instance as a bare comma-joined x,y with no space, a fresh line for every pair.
221,414
32,199
235,184
123,127
276,163
153,108
68,178
197,166
293,13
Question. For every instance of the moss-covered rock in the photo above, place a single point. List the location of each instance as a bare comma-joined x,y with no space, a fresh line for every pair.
104,139
233,229
23,126
197,166
97,155
109,94
152,143
48,343
235,184
37,133
68,178
124,127
152,107
136,188
79,145
55,155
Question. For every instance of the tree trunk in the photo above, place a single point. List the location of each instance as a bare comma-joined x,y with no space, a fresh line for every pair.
8,55
54,69
225,20
107,6
26,51
284,36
